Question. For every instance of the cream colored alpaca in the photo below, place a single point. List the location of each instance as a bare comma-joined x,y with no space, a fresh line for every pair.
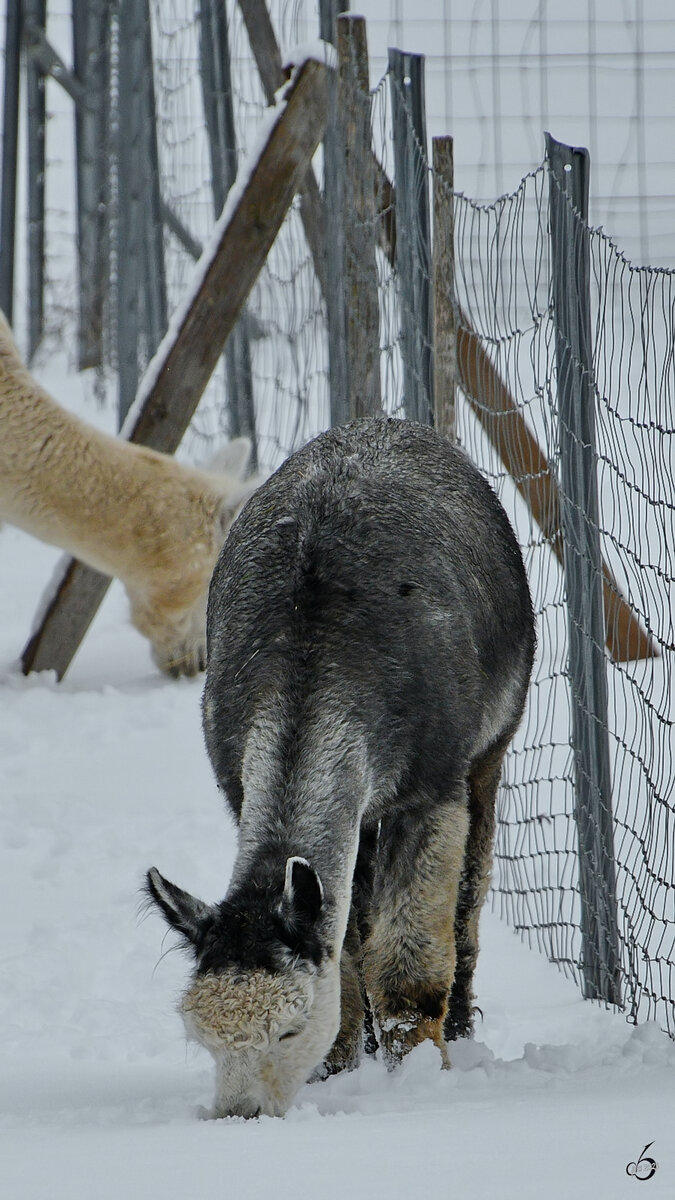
123,509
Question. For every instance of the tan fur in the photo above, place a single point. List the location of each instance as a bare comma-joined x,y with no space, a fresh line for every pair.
243,1009
241,1018
123,509
410,955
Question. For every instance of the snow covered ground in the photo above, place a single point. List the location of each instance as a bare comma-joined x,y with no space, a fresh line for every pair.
104,775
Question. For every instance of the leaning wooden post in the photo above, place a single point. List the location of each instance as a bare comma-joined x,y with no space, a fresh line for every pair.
359,269
579,509
413,241
445,330
175,380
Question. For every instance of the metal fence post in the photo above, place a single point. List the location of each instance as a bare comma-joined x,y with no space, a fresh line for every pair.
10,134
141,285
219,117
568,198
155,306
35,12
130,199
413,239
329,11
91,62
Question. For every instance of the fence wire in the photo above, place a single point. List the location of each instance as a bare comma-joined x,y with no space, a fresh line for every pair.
504,287
504,297
285,317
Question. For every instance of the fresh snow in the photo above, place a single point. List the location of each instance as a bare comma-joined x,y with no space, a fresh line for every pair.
105,775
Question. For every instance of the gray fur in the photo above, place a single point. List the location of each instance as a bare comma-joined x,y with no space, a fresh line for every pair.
370,641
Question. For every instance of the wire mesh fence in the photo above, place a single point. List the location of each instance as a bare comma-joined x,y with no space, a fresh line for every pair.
284,314
504,285
510,419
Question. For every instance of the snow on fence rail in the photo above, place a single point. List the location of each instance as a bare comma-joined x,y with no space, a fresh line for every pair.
498,383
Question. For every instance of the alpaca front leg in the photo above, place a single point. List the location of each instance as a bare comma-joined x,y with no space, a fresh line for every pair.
345,1053
409,960
174,621
356,1031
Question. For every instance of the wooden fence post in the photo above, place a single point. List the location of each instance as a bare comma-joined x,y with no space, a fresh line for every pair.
359,267
413,240
445,333
334,227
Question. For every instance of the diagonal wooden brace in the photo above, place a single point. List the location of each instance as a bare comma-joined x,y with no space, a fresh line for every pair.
177,376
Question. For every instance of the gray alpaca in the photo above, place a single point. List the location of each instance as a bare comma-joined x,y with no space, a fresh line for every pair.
370,641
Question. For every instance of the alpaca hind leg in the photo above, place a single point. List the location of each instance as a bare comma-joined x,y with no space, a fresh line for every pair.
483,784
409,959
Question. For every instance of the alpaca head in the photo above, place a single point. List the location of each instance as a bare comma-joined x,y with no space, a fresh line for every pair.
268,1014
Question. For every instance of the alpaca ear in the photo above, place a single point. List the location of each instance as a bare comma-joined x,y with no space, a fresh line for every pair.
303,892
183,912
232,458
235,496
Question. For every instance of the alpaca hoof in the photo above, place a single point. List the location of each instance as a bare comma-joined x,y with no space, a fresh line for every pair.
399,1035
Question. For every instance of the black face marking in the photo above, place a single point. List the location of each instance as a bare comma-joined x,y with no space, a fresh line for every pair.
243,937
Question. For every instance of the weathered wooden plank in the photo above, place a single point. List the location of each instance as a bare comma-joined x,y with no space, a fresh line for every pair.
413,242
360,284
189,352
443,289
525,461
66,619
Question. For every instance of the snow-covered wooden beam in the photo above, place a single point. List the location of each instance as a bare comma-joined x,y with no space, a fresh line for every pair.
178,374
